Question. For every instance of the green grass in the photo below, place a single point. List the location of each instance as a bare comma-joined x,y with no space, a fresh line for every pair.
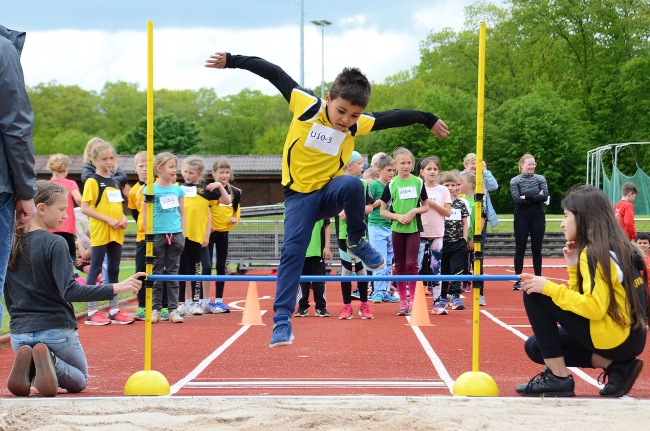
127,268
553,223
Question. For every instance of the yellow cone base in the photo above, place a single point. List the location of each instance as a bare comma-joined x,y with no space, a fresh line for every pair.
475,384
147,383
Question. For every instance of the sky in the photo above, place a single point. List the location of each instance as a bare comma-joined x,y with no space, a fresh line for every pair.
88,42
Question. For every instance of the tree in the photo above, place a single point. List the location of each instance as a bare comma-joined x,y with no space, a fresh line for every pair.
540,124
170,134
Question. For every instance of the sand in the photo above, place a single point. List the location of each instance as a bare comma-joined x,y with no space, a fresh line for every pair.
323,413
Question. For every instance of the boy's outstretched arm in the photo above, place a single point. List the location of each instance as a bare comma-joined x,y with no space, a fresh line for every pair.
406,117
269,71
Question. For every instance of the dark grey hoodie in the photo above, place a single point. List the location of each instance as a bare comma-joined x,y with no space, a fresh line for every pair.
17,174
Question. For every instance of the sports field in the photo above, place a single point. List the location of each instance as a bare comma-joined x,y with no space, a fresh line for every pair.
338,374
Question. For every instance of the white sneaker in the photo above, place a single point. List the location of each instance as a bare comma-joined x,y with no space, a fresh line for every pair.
206,308
181,309
195,309
175,317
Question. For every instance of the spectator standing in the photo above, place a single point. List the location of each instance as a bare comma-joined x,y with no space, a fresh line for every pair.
529,191
17,174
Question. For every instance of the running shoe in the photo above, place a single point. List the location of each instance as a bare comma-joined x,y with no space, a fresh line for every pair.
467,286
302,312
481,301
377,297
119,318
139,314
403,309
517,285
457,304
282,331
45,380
164,314
175,317
355,294
365,252
619,377
346,312
22,372
365,313
547,384
155,316
390,298
195,309
97,319
439,308
220,307
321,312
182,309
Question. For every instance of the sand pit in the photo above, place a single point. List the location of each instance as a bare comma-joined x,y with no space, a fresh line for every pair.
323,413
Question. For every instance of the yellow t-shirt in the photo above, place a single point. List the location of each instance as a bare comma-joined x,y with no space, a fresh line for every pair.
221,214
197,204
110,205
314,151
135,201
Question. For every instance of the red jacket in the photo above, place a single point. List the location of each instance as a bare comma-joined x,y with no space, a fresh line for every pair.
624,211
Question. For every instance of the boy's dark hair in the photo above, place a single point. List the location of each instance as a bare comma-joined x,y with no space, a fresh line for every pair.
629,188
643,235
353,86
384,161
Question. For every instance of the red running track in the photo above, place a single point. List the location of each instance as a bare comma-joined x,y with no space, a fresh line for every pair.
215,355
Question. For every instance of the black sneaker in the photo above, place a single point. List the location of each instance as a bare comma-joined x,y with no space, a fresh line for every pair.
517,285
547,384
321,312
302,312
620,377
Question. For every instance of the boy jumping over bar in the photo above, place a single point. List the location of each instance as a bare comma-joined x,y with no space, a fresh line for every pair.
319,142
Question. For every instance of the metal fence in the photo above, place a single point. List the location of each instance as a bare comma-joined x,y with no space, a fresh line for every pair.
256,241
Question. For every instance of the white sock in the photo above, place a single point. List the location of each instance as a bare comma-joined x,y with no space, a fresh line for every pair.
218,301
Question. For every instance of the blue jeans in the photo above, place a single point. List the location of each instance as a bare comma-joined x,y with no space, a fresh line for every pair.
381,238
7,214
302,211
71,366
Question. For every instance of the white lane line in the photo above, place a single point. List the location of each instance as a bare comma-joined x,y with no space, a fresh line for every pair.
235,304
435,360
280,383
578,372
549,278
204,364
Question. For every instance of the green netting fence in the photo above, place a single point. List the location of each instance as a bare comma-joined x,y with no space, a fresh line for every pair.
612,188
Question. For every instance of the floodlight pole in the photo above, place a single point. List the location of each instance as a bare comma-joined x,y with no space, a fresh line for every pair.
322,24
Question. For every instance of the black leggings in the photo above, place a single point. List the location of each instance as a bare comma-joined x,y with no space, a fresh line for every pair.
190,264
572,339
220,241
535,226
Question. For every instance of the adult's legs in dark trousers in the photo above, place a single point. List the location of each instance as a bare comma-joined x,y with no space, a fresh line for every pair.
521,227
302,210
537,230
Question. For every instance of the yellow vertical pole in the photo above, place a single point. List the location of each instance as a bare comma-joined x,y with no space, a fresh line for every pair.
478,225
149,221
148,382
476,383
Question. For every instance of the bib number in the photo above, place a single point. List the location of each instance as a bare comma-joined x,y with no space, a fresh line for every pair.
190,191
407,192
325,139
169,201
114,196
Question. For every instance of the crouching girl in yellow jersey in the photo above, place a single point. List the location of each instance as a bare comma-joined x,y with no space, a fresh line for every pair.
602,313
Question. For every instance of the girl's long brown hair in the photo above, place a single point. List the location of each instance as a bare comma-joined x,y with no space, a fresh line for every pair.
48,194
598,230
